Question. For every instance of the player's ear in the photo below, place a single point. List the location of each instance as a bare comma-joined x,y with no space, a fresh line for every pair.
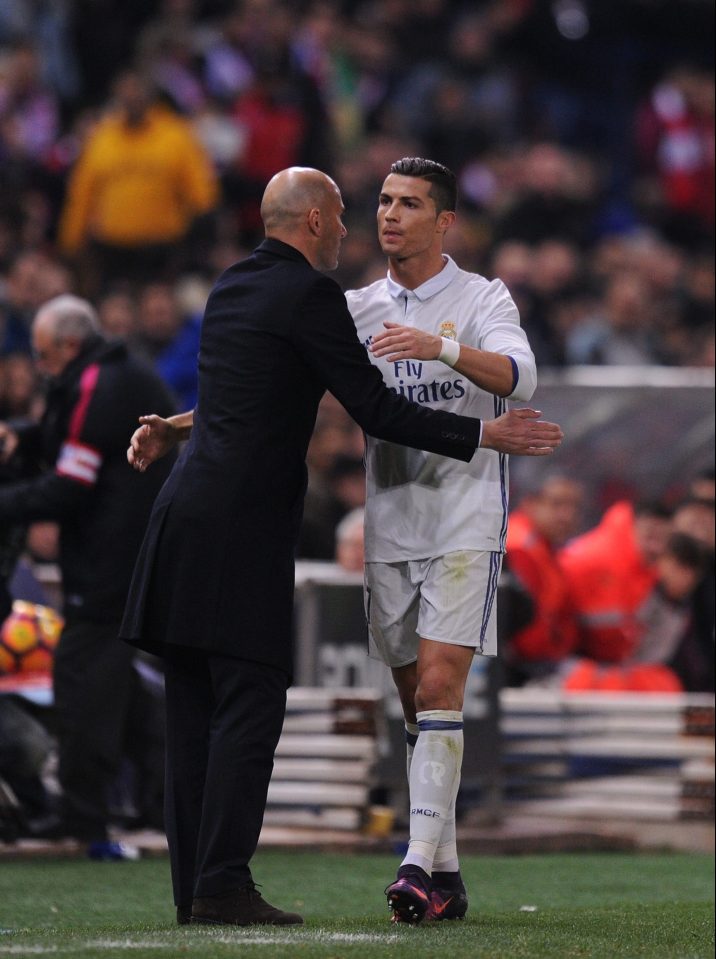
445,221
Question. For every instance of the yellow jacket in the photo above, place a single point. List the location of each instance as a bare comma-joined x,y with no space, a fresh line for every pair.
137,186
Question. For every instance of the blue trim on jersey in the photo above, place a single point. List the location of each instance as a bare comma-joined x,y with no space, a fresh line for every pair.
515,374
500,408
492,581
438,724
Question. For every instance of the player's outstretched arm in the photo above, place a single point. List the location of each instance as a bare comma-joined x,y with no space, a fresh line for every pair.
522,433
156,437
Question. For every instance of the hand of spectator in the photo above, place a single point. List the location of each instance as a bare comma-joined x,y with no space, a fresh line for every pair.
8,442
406,343
154,439
521,432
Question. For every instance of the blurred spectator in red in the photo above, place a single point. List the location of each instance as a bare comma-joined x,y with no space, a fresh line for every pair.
140,186
543,522
170,339
675,139
611,570
283,119
662,622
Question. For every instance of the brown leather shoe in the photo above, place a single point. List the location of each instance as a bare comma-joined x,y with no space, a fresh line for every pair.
183,915
242,907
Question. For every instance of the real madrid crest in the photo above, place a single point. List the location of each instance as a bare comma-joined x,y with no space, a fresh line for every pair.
448,329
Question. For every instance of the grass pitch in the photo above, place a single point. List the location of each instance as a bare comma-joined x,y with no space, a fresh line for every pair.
592,906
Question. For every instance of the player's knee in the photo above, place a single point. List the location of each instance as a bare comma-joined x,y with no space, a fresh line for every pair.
437,691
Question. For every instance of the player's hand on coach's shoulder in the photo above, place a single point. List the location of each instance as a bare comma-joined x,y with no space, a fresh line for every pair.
522,433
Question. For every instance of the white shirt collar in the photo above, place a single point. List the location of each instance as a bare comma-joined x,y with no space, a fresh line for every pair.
436,284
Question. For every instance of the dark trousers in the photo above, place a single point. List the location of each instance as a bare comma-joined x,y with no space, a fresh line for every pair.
93,682
224,719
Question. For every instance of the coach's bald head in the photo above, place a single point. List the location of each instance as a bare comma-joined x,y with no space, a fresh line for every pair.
303,207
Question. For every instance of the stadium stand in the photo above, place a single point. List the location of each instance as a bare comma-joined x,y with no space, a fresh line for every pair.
325,761
614,755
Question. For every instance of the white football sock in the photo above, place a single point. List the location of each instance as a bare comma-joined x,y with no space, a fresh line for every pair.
446,859
411,738
446,854
434,779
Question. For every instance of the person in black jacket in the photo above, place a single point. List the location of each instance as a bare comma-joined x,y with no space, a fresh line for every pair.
213,588
95,392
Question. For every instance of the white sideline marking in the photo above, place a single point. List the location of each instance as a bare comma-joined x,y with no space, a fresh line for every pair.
317,935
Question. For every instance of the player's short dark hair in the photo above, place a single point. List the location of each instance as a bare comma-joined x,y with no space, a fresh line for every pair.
443,182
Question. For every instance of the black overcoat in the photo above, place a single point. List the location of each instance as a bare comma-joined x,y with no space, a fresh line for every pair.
216,569
82,480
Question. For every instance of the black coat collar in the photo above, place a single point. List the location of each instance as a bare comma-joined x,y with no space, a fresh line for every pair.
279,248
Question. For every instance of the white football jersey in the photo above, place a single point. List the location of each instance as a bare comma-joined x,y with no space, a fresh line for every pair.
419,504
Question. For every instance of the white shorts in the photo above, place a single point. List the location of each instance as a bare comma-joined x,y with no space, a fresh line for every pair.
449,599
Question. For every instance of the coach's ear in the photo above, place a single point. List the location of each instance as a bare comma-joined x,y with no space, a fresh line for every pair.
315,221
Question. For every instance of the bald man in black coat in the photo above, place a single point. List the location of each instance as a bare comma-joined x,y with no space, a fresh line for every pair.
213,586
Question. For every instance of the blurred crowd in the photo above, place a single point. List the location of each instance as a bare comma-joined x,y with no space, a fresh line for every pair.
627,605
136,137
